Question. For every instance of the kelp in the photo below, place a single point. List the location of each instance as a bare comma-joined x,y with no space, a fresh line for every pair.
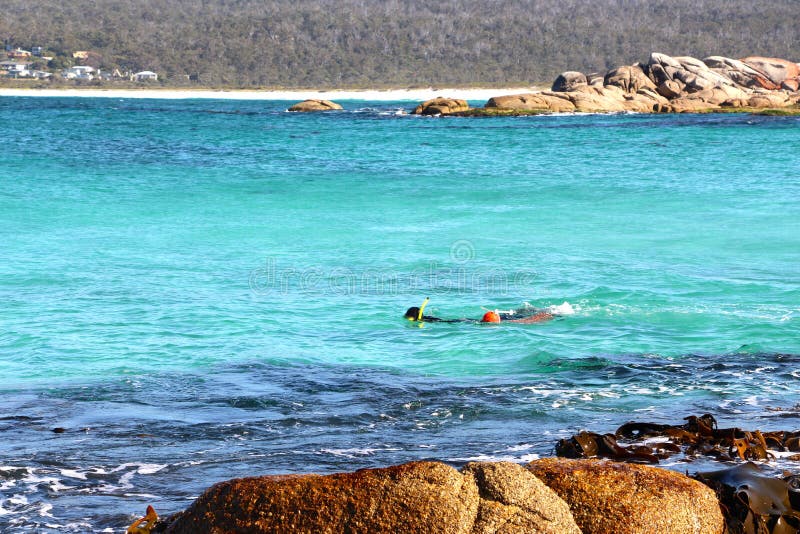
755,503
698,436
145,524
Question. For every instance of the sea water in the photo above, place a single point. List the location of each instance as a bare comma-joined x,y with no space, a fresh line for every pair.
194,290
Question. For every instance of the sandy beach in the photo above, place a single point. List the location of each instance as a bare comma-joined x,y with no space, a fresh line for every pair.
335,95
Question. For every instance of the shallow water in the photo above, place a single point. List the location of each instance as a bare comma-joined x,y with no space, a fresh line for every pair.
198,290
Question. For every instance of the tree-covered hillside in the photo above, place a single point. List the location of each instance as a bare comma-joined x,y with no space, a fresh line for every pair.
323,43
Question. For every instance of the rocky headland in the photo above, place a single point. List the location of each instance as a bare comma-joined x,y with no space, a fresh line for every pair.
662,84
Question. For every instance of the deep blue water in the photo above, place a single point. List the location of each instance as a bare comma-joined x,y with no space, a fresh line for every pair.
198,290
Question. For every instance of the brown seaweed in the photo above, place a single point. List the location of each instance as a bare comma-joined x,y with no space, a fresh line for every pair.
145,524
698,436
755,503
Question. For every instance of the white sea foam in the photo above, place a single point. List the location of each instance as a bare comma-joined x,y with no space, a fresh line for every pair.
525,458
564,308
72,473
142,469
355,452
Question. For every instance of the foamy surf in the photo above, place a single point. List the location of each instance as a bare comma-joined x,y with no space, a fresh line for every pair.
564,308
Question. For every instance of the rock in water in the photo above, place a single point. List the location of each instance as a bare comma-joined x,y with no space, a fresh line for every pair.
441,106
315,105
623,498
513,500
414,497
569,81
548,101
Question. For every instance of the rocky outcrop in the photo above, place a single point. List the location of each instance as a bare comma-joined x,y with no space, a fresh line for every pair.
546,101
736,71
441,106
624,498
668,84
587,98
418,497
422,496
629,79
569,81
315,105
780,73
513,500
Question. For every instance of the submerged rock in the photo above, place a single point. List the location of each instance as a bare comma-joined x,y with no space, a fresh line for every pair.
441,106
623,498
315,105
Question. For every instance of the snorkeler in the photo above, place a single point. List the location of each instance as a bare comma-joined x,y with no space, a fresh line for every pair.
416,314
526,315
538,316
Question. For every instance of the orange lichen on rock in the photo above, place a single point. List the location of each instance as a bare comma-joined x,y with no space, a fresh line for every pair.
624,498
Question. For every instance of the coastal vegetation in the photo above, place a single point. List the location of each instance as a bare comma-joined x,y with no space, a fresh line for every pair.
356,43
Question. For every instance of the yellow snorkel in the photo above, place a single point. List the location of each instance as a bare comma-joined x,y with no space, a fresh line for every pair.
422,308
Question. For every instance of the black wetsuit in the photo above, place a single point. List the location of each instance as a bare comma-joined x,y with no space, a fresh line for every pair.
522,313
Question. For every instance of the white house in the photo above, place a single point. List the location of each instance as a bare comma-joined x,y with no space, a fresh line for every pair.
145,76
78,73
15,69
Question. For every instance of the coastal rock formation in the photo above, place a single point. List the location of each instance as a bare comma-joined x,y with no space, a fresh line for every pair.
513,500
315,105
780,73
420,496
423,497
629,79
667,84
569,81
737,71
546,101
587,98
624,498
441,106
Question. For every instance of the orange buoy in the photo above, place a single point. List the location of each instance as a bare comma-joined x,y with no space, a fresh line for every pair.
490,317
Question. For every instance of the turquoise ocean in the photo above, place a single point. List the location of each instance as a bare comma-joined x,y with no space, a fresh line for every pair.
196,290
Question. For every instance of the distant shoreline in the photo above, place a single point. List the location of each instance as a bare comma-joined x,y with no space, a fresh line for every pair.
288,95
